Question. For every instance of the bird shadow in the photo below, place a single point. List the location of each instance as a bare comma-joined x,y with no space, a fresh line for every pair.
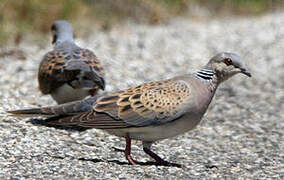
97,160
148,163
39,121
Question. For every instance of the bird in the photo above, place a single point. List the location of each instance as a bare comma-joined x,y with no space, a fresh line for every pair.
68,72
148,112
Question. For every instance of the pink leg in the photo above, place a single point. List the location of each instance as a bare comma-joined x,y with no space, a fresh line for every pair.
128,150
146,148
158,159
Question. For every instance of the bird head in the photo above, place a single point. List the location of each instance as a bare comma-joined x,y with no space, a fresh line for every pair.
61,31
226,64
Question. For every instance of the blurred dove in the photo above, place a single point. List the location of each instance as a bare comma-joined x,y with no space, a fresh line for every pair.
69,72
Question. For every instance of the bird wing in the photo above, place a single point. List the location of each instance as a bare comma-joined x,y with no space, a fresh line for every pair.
148,104
62,66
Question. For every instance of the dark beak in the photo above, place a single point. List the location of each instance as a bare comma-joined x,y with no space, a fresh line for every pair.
244,71
54,39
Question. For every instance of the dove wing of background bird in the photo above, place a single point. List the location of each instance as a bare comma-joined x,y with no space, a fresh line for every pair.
85,60
59,67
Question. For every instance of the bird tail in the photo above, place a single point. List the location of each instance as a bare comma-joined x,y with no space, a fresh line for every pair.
53,122
27,111
62,109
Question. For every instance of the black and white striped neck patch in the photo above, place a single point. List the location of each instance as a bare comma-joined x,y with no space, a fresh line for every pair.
206,74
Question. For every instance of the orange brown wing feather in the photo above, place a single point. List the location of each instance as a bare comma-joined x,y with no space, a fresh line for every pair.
150,103
52,73
51,69
147,104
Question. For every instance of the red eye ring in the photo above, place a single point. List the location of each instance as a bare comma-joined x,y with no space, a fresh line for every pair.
228,61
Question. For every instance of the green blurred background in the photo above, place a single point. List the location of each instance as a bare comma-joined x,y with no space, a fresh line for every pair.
21,17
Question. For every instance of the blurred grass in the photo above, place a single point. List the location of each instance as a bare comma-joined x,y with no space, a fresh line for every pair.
18,17
21,17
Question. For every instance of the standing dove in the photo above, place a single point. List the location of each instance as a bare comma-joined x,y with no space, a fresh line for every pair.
68,72
149,112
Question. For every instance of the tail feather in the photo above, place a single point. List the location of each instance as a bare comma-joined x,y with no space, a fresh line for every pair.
27,111
59,116
70,108
52,122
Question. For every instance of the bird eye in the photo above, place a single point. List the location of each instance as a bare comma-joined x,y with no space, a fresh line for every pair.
228,61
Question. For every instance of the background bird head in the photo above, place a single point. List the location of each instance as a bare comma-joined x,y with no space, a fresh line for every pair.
61,31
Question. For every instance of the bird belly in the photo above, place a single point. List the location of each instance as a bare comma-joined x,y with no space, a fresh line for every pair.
159,132
66,93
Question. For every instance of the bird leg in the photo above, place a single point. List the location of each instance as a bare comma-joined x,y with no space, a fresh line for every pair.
147,150
128,150
159,160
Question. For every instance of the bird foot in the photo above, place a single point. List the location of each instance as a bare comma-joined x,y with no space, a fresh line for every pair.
128,157
131,161
157,163
159,160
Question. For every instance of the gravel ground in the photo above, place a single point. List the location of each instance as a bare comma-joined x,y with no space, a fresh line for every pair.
240,137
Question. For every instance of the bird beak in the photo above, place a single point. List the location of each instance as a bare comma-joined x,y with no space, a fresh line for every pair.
54,38
244,71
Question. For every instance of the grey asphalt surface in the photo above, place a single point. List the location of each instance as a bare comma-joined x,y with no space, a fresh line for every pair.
240,137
